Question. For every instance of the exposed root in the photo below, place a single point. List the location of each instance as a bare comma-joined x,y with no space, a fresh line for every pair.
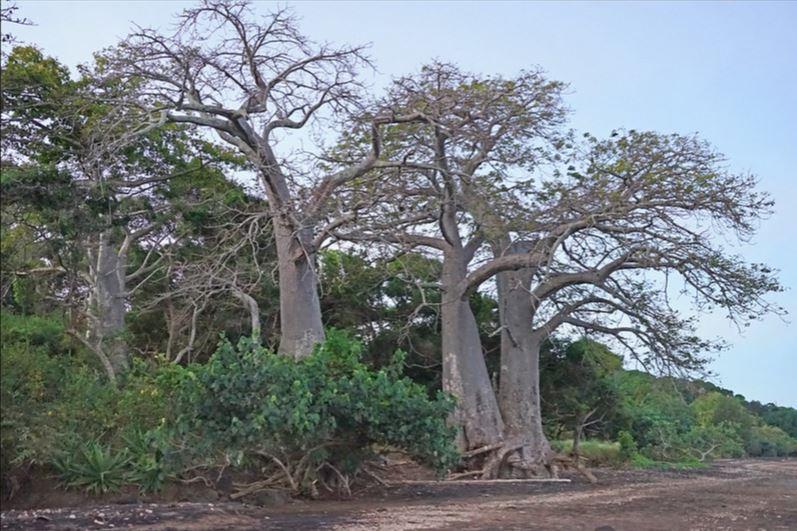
15,479
478,481
494,464
254,488
468,474
482,450
365,469
344,481
196,479
516,460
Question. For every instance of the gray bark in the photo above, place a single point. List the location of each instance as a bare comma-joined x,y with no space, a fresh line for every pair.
108,305
251,306
464,371
301,326
519,387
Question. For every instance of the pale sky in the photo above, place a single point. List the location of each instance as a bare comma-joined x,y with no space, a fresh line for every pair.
725,70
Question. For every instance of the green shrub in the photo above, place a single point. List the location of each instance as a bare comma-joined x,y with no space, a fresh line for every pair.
704,442
743,432
246,403
149,451
148,394
628,447
322,411
33,364
660,438
52,396
642,461
769,441
33,331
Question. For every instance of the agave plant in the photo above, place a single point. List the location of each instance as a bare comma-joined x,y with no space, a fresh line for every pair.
95,468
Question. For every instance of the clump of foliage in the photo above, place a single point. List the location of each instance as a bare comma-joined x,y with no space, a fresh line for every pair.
639,460
628,447
32,366
781,417
310,420
750,435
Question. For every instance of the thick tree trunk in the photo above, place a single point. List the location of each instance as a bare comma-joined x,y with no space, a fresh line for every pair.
464,371
109,305
301,326
519,385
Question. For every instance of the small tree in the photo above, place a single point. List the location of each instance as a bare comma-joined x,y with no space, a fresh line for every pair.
90,178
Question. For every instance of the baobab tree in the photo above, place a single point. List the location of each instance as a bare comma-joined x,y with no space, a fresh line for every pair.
466,127
630,224
253,79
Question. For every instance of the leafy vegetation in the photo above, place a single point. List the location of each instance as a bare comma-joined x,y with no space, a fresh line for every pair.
325,410
596,452
316,419
654,420
94,467
248,408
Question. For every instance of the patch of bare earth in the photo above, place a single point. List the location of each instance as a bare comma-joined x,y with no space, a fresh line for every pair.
739,494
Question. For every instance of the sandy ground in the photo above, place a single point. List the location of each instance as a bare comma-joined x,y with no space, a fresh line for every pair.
734,494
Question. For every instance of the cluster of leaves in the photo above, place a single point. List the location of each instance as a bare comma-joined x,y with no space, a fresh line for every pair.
328,409
595,452
784,418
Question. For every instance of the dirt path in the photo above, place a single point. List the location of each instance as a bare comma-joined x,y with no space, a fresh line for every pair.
751,495
729,495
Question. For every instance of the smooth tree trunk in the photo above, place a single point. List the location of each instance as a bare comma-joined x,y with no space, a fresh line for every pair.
519,384
109,306
464,370
301,327
252,307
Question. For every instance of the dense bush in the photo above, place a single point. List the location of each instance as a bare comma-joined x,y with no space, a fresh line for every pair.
628,446
59,413
752,436
655,419
769,441
33,363
322,412
784,418
319,416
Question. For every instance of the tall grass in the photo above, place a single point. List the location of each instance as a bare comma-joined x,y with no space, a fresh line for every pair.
596,452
